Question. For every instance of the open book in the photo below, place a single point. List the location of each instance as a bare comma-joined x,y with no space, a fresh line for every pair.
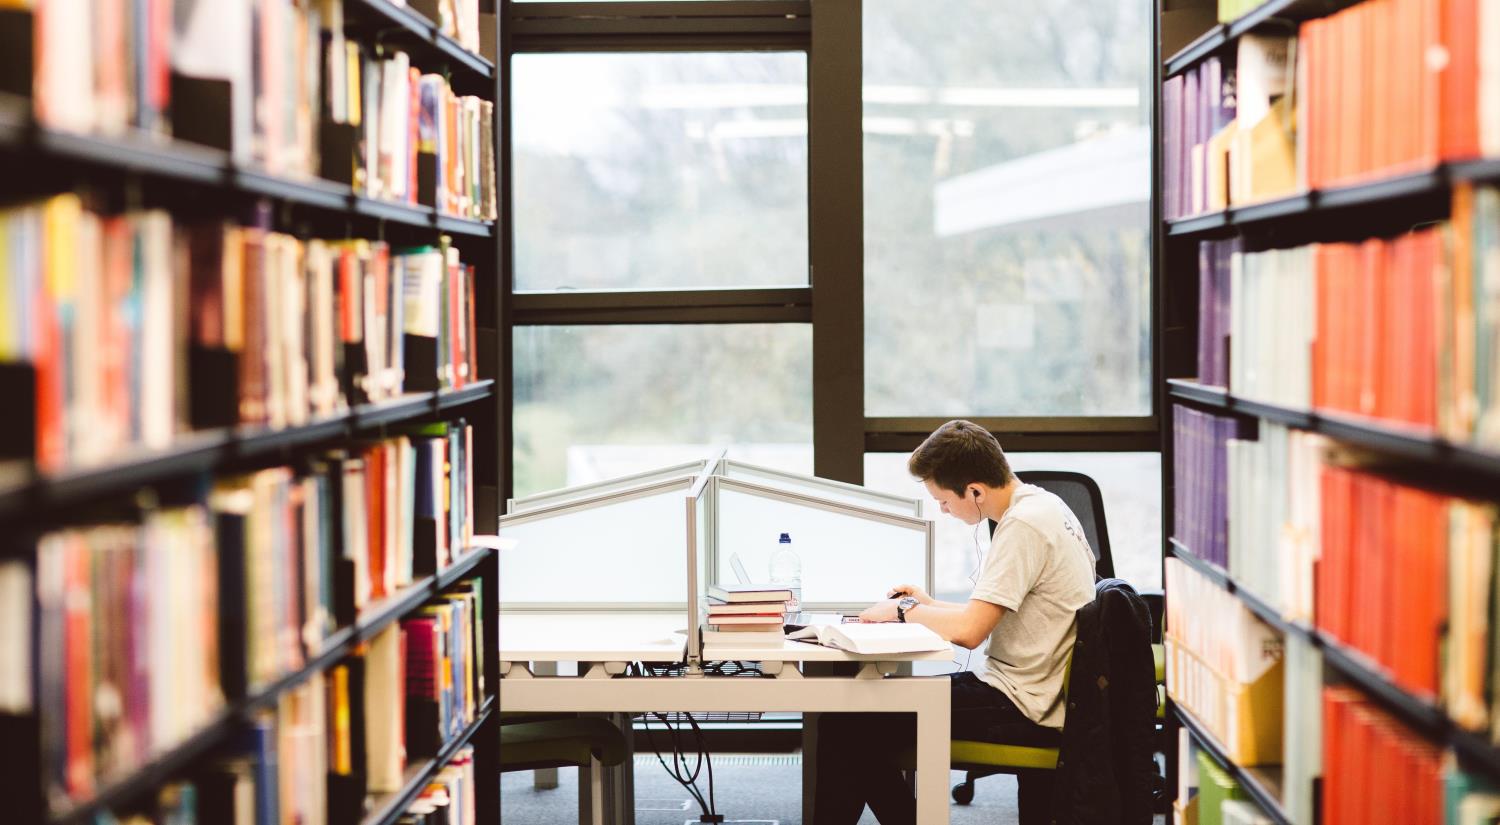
884,637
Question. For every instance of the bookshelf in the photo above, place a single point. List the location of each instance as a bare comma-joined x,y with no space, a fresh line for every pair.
335,647
1403,195
213,450
1355,668
1389,197
180,161
191,182
1269,14
1263,784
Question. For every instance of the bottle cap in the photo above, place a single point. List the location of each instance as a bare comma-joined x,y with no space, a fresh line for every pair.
786,538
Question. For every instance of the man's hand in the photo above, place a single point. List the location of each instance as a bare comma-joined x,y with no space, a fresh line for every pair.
880,612
909,590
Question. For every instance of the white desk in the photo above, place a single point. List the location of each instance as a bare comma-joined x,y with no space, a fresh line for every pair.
611,640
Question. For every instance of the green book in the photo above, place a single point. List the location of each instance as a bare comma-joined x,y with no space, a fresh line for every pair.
1215,786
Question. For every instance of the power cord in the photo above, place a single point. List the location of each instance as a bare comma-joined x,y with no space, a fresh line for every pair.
678,769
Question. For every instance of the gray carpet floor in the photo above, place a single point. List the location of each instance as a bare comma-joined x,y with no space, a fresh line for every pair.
753,790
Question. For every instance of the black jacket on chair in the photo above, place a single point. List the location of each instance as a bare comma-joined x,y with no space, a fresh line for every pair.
1105,768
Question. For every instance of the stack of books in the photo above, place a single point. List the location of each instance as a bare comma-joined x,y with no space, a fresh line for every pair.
745,614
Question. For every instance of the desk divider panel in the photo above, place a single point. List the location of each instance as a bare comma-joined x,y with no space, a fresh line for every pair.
851,556
621,550
654,541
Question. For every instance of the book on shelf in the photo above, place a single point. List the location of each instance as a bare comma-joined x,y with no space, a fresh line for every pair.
144,629
1351,97
278,84
1274,516
1375,767
238,325
1232,10
1216,788
1201,468
1396,329
449,797
873,638
737,593
1224,665
127,646
1185,806
1214,302
1302,727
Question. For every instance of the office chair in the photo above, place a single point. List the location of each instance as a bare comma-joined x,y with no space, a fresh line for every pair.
1036,748
533,741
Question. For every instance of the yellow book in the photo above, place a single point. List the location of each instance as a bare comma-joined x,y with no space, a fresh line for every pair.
342,755
355,85
10,282
1218,168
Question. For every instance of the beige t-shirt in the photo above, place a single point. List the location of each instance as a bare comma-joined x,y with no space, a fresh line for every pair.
1039,568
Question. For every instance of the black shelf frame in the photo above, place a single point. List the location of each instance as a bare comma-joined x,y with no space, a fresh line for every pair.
1354,667
1291,209
421,35
208,450
336,646
388,808
1409,444
1251,779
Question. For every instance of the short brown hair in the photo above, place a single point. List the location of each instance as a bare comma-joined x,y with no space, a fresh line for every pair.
958,454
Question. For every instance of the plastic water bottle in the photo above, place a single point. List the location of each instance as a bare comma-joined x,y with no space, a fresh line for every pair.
786,570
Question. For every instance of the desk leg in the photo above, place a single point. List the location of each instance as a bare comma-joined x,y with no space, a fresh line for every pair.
622,777
809,763
932,764
545,779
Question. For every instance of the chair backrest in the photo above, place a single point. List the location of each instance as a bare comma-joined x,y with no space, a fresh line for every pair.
1082,496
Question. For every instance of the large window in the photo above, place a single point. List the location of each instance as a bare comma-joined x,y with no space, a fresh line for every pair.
661,170
595,402
1130,483
975,188
1007,185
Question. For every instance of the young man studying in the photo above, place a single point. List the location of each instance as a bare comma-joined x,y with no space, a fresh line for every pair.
1038,572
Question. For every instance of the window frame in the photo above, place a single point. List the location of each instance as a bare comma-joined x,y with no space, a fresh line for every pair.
833,302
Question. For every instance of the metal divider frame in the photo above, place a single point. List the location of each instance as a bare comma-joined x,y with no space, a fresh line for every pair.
702,495
728,466
912,522
516,506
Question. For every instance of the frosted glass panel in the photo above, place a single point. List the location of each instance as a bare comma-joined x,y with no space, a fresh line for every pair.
552,498
820,488
627,552
846,559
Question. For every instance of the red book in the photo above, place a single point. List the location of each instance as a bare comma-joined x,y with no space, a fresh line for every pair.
78,653
375,486
1459,133
1428,112
413,140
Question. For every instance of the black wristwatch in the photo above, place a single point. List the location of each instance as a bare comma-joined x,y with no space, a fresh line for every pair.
906,603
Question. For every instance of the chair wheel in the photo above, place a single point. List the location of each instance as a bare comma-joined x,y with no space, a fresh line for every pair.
963,793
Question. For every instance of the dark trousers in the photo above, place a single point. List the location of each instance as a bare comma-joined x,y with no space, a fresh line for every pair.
859,757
